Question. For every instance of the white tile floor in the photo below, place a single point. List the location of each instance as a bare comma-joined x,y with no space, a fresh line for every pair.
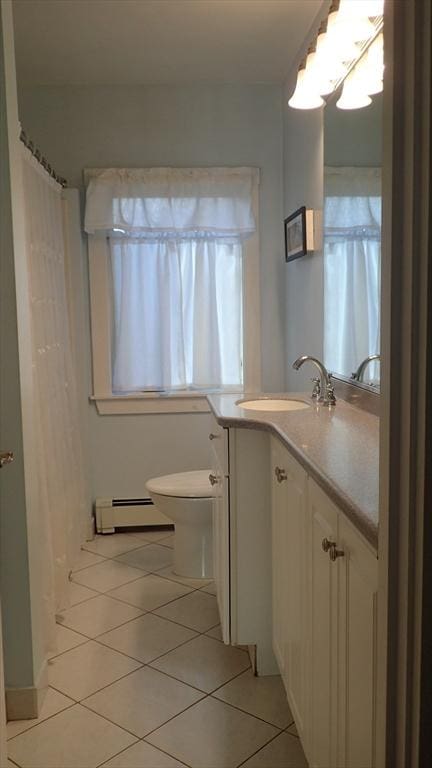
141,678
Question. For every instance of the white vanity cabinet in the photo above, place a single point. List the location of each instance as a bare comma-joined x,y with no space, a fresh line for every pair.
242,539
324,618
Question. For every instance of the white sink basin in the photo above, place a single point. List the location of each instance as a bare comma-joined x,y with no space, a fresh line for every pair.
272,405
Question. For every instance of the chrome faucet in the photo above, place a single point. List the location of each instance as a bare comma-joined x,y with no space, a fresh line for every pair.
358,375
323,390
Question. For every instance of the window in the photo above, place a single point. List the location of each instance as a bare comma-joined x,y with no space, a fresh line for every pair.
174,267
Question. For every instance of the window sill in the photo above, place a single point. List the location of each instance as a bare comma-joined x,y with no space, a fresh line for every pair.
178,402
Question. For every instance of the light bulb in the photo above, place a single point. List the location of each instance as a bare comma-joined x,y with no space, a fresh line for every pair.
343,26
320,76
374,87
368,72
370,8
353,94
375,52
305,96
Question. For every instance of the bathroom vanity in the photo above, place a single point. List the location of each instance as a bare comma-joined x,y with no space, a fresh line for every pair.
295,530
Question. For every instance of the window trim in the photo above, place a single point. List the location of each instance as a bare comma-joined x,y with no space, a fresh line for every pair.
101,339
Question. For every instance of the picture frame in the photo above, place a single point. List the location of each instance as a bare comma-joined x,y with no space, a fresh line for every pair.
295,234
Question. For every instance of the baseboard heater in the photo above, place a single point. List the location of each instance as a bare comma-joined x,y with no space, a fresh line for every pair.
127,513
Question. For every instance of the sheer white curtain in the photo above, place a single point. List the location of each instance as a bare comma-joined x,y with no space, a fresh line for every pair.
61,490
177,315
176,252
352,267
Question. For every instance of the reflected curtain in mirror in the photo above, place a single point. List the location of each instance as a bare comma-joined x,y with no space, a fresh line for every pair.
352,268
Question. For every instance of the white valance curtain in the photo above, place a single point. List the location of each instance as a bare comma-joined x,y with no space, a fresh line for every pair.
352,268
175,238
61,488
168,202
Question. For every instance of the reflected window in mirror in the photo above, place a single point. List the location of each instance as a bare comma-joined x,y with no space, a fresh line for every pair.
352,268
352,243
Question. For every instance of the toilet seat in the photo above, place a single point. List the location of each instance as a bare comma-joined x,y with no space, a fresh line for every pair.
188,485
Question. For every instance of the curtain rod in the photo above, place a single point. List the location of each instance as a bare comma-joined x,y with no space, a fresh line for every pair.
41,159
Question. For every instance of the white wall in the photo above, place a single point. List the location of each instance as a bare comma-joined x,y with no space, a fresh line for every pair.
79,127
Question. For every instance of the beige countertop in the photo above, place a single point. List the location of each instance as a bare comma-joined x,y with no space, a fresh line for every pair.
338,446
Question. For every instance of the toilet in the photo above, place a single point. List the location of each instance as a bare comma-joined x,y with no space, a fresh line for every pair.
186,498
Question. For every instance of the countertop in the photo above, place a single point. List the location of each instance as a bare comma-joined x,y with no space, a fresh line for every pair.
338,446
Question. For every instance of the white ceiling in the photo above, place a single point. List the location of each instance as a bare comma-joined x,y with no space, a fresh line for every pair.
109,42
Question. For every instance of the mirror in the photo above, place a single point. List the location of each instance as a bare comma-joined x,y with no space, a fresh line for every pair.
352,241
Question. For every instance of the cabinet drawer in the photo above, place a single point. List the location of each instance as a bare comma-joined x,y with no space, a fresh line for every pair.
218,437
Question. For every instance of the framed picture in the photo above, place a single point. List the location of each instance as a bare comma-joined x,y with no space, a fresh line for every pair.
295,235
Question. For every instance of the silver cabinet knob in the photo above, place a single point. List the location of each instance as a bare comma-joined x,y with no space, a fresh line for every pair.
335,553
213,479
280,474
212,436
6,457
331,548
326,544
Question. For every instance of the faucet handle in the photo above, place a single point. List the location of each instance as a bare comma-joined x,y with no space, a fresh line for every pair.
330,395
316,392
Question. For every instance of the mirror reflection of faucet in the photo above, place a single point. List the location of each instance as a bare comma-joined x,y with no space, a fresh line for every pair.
323,390
358,375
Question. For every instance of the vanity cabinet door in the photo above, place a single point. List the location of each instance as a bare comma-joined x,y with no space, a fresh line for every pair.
290,547
343,640
323,684
358,584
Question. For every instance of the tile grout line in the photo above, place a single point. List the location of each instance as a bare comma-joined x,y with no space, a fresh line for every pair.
156,608
143,665
13,761
167,753
100,765
97,639
78,645
143,574
200,701
142,741
261,747
150,661
245,711
143,612
50,717
119,554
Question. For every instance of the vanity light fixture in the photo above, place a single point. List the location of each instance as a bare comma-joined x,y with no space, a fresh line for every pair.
348,49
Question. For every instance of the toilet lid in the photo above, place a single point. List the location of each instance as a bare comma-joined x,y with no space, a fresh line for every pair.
183,484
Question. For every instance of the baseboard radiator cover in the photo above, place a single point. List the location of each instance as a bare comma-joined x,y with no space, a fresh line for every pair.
112,513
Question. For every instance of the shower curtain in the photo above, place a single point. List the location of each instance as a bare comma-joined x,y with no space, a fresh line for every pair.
61,482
